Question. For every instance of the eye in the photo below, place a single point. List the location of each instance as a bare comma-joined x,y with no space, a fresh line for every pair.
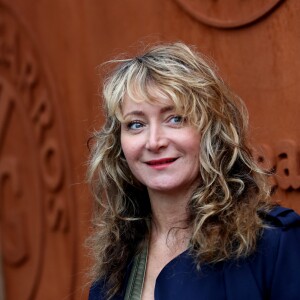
134,125
176,120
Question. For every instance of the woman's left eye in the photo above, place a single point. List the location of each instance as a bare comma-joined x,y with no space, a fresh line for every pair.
176,119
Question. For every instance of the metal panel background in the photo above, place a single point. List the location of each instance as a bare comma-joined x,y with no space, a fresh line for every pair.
49,51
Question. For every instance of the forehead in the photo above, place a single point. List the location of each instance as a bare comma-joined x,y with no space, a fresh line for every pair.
160,102
149,93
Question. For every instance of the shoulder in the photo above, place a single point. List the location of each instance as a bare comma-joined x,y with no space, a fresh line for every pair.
282,228
282,217
277,259
96,291
272,271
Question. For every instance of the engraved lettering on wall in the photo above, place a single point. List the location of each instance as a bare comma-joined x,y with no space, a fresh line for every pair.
283,162
37,230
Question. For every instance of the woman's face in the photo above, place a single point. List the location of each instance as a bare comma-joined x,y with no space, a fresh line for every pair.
161,149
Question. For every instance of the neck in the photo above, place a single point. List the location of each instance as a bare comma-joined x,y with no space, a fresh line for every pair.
169,210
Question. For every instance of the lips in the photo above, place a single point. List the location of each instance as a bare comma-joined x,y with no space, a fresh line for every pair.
160,162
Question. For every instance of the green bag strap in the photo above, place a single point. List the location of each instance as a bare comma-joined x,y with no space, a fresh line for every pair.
137,275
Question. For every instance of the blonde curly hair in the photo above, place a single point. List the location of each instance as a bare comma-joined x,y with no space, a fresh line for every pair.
225,209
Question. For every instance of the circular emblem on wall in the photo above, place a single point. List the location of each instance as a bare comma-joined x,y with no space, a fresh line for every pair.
230,13
36,207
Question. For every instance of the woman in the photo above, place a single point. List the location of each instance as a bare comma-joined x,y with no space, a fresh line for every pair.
183,212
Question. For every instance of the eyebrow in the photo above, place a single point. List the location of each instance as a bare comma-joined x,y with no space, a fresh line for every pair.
141,113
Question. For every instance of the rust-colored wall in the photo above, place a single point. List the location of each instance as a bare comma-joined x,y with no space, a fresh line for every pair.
49,51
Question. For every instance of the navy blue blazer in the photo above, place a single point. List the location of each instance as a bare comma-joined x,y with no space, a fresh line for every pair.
271,273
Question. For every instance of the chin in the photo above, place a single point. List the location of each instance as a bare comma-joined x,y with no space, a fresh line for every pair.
166,188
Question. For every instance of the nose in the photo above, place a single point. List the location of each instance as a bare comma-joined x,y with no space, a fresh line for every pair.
156,139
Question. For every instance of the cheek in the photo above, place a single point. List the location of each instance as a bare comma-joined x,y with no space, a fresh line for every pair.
130,152
192,144
196,150
193,149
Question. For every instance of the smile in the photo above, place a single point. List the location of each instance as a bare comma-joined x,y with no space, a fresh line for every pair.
161,163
